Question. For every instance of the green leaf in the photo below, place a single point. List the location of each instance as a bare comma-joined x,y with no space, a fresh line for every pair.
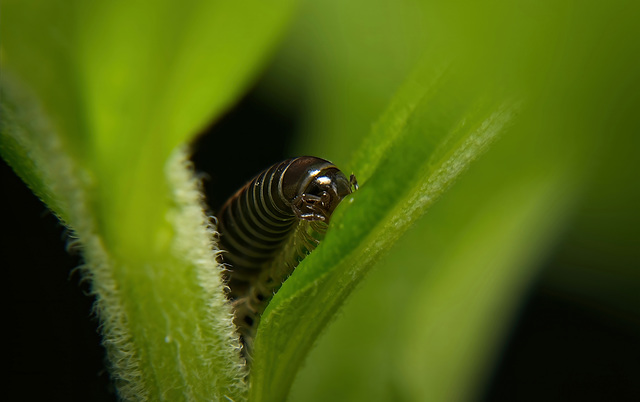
99,100
427,139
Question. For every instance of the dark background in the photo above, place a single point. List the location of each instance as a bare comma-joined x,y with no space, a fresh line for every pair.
563,348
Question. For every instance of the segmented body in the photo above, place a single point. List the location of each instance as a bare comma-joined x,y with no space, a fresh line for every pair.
269,226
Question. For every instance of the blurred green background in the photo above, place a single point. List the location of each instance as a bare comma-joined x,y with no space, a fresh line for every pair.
559,318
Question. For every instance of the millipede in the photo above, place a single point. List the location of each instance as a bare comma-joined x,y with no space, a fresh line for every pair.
269,225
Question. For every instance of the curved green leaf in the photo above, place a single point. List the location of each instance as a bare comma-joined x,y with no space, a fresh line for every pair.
98,102
426,140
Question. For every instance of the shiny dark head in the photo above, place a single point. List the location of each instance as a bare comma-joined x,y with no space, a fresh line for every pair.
315,187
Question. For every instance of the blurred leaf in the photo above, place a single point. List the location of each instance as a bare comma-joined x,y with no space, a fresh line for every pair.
98,102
